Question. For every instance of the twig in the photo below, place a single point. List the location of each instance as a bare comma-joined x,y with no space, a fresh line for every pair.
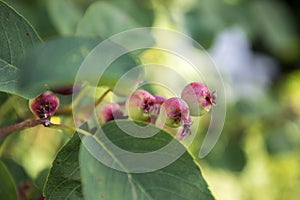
27,124
19,126
72,128
31,123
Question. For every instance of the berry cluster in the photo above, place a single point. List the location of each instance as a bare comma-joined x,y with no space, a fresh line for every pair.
196,100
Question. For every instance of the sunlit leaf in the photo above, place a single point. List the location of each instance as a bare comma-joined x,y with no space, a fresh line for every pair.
36,145
182,179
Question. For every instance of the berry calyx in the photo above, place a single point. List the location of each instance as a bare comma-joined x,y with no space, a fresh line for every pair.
199,98
156,108
44,106
139,105
110,111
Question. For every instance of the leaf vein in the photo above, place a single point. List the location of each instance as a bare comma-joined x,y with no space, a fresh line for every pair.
177,177
72,173
169,191
8,64
75,188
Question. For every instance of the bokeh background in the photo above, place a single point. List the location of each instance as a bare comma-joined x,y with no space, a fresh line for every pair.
256,46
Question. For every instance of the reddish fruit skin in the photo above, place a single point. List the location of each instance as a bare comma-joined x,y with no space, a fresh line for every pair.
45,105
176,112
110,111
198,97
139,105
41,197
25,190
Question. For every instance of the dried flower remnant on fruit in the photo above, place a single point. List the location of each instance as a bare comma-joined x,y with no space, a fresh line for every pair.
199,98
185,130
44,106
175,113
110,111
156,108
159,99
140,105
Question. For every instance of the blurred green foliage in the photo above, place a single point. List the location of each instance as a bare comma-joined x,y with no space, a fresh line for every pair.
258,153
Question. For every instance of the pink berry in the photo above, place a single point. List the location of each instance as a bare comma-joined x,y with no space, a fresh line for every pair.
140,105
109,112
45,105
198,97
176,112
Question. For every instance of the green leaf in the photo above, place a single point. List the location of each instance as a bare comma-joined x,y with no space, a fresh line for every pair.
8,190
16,37
64,177
65,15
53,64
41,179
141,11
276,26
182,179
17,171
104,19
56,63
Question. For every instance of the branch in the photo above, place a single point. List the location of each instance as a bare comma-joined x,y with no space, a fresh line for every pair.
22,125
83,132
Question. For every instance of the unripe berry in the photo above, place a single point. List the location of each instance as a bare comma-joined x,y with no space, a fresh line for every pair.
198,97
110,111
175,111
45,105
139,105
